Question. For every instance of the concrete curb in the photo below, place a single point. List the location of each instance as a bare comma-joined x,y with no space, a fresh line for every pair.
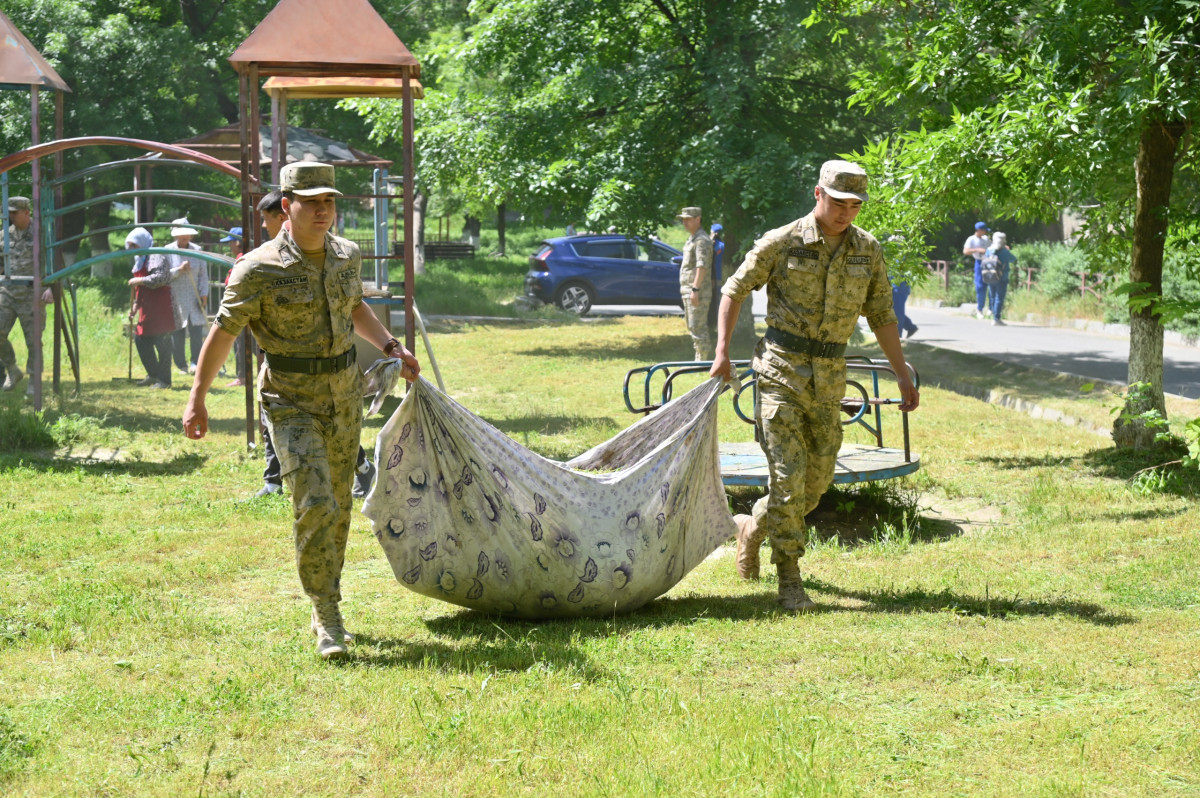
994,396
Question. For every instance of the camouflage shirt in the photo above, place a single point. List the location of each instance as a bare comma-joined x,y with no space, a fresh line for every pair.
815,293
20,261
296,309
697,254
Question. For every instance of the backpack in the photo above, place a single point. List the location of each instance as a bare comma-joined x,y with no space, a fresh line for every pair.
991,270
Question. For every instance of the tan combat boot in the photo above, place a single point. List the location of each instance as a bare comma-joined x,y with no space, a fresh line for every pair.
749,542
346,636
791,588
330,635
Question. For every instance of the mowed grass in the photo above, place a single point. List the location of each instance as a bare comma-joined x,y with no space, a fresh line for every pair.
1035,632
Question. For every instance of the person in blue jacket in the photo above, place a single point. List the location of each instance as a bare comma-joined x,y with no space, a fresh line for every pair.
716,233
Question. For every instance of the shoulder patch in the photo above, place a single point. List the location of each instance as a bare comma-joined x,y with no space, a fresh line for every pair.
859,259
801,252
284,281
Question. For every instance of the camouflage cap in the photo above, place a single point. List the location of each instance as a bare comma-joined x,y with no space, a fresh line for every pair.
688,213
18,203
308,179
843,180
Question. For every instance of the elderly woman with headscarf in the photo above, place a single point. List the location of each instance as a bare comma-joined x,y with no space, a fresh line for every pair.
151,283
189,294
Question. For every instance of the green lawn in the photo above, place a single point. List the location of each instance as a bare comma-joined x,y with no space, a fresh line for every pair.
1035,631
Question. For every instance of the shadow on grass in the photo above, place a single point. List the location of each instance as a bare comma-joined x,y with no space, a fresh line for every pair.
493,649
518,645
1123,464
94,464
644,349
911,601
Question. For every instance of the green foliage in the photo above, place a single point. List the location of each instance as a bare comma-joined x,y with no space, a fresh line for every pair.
24,430
619,111
1057,265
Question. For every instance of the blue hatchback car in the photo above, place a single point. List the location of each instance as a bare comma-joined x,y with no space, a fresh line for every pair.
576,272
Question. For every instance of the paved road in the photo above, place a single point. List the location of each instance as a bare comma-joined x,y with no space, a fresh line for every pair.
1089,355
1086,354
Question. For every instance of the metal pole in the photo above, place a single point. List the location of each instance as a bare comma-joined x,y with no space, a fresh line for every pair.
55,254
39,315
410,334
244,141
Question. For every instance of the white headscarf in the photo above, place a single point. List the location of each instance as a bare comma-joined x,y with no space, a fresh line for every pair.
141,239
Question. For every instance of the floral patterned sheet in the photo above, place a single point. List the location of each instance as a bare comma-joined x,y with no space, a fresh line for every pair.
469,516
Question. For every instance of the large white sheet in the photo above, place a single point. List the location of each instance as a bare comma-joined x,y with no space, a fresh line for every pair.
469,516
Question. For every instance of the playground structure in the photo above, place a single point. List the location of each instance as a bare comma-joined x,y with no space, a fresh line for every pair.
744,464
312,49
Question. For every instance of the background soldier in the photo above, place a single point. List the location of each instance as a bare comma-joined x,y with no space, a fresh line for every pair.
821,272
695,282
301,294
16,297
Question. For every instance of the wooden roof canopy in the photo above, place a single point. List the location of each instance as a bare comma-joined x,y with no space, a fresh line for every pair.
330,88
21,64
318,38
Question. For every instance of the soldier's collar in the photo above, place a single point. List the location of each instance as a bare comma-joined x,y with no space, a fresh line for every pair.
290,254
810,232
289,250
338,246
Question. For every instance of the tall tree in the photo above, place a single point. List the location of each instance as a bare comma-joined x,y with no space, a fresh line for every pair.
622,111
1037,105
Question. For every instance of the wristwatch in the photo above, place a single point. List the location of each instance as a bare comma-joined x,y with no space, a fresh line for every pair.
389,346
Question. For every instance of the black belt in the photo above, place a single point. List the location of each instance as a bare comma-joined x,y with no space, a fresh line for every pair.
805,346
312,365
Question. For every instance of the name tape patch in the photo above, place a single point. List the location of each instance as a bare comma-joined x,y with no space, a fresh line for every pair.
856,260
347,274
285,281
800,252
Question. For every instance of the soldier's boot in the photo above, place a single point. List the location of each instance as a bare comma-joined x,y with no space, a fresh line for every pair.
347,637
331,642
364,476
15,375
791,588
749,541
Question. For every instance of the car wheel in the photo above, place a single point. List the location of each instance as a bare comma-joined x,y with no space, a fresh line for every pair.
574,298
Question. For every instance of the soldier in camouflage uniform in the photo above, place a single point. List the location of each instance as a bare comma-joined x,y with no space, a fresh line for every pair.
695,282
821,272
16,297
301,294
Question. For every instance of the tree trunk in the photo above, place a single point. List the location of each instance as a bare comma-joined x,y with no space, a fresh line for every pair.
744,338
97,217
1154,169
471,229
420,201
500,231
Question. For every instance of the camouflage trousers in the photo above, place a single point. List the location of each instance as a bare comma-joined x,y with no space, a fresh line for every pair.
697,323
800,437
16,306
317,456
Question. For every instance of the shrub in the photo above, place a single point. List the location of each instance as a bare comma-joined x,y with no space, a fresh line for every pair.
1056,264
23,430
